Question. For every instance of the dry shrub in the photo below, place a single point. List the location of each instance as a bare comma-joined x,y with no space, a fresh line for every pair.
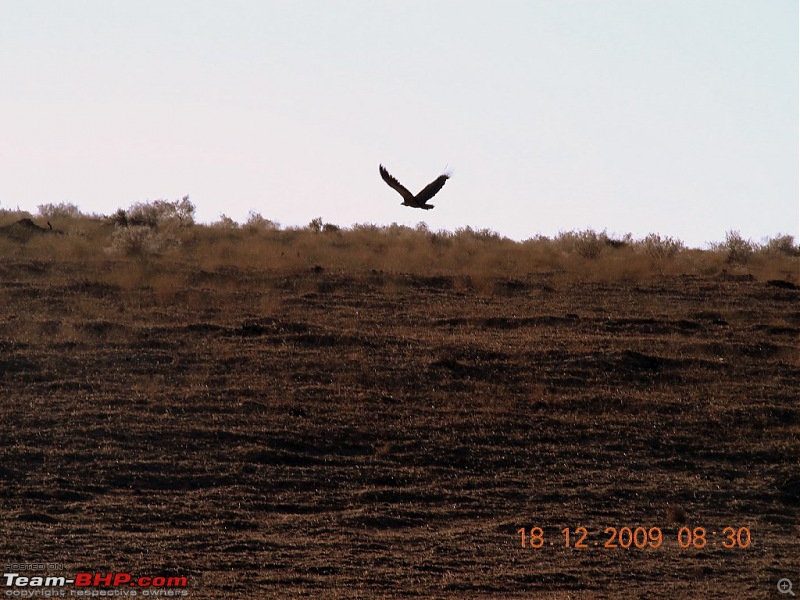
477,256
255,222
736,248
479,235
119,218
777,258
225,222
161,212
318,226
630,268
781,244
11,215
588,244
659,248
150,228
63,210
700,262
141,240
542,253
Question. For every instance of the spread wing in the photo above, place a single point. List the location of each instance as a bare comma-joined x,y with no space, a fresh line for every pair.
396,185
430,190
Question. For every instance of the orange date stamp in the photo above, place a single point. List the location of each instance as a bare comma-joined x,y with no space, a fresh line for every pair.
640,538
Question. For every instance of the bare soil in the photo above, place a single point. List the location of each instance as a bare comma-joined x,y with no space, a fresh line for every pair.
382,435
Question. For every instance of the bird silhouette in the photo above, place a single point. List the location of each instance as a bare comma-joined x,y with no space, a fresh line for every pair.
421,199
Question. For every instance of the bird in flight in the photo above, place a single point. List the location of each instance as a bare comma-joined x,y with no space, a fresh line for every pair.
421,199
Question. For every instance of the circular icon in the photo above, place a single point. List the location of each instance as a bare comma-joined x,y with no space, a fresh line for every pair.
785,586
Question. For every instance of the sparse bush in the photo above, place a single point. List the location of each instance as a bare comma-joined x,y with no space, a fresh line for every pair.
659,248
57,211
225,222
782,244
441,238
14,214
317,226
588,244
483,235
145,214
152,214
140,240
398,230
255,222
482,255
369,228
626,240
738,250
119,218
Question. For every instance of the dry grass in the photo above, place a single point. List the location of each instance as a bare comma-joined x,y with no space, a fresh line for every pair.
151,236
375,411
198,418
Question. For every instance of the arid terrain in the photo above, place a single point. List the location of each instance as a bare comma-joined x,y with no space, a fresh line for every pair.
343,433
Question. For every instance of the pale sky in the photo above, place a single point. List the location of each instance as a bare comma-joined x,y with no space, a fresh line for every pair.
678,117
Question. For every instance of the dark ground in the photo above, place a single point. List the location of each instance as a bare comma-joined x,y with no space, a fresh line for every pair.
386,436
